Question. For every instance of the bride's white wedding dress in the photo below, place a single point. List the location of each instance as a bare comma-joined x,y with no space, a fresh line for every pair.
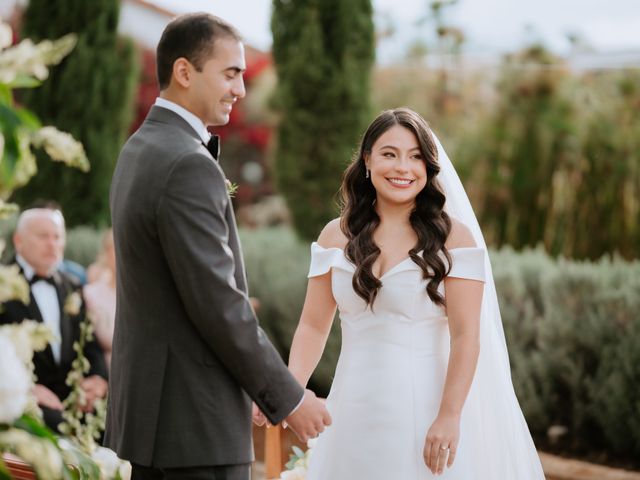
389,382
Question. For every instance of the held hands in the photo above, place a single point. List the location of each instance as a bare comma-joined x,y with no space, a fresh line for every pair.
310,418
258,417
442,442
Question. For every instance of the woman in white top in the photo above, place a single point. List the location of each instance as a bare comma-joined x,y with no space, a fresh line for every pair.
422,387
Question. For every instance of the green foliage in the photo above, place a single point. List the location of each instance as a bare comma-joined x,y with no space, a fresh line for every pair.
90,95
573,331
277,266
323,52
83,244
85,427
555,160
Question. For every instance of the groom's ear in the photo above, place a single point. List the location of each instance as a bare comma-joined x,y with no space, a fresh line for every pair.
182,71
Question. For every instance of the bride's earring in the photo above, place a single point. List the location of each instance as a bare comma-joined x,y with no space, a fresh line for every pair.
366,175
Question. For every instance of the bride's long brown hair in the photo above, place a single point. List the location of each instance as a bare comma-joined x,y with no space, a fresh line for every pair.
428,219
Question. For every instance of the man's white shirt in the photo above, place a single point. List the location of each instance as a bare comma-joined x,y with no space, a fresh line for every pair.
197,124
46,297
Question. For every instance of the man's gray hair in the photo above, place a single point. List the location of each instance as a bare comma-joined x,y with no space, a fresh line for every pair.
26,216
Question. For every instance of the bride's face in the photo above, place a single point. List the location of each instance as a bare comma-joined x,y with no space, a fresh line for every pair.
398,169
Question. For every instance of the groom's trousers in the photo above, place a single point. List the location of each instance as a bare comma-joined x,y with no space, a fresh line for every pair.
218,472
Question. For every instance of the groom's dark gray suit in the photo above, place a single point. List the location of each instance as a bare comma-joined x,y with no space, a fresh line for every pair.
188,355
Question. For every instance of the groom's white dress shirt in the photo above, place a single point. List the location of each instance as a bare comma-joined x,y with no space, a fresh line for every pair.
197,124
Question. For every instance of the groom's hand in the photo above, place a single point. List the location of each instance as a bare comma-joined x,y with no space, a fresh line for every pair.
258,417
310,418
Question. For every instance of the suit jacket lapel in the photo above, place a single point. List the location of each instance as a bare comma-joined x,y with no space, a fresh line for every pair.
66,328
234,243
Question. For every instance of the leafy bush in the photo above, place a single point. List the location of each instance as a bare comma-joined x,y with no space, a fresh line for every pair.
277,266
573,330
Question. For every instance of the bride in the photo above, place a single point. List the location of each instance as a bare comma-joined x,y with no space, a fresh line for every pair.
422,387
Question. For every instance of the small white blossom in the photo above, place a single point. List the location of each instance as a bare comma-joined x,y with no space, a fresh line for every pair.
40,453
61,147
295,474
15,383
29,59
27,337
72,304
125,470
13,286
6,35
7,209
107,461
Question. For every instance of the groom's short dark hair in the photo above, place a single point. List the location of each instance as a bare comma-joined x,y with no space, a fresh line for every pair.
191,36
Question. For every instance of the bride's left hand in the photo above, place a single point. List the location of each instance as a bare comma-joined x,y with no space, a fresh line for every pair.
441,443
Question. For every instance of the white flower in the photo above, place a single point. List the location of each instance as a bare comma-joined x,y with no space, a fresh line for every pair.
311,443
295,474
7,209
125,470
6,35
40,453
29,59
27,337
61,147
15,383
72,304
13,286
107,461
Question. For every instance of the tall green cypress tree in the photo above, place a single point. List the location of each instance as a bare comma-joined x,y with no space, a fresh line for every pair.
323,51
90,95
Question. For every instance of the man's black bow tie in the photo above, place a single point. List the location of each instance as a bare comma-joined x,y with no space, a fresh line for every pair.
37,278
214,146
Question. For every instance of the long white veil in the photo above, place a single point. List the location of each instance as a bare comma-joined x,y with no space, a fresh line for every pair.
494,423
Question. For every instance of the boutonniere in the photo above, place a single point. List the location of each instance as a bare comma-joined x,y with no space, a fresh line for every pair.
232,188
72,304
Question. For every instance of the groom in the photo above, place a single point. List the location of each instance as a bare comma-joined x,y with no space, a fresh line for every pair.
188,355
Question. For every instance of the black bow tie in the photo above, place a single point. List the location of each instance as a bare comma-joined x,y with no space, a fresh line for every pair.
37,278
214,146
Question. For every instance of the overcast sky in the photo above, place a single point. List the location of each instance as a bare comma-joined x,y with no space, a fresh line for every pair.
490,25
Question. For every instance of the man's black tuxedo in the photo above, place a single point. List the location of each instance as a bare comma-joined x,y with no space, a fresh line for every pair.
49,373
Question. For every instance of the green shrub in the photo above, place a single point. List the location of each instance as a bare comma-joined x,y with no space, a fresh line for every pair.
555,159
83,244
323,52
277,266
90,95
573,330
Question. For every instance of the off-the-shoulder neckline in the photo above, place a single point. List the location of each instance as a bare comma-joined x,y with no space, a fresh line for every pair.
392,269
342,249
